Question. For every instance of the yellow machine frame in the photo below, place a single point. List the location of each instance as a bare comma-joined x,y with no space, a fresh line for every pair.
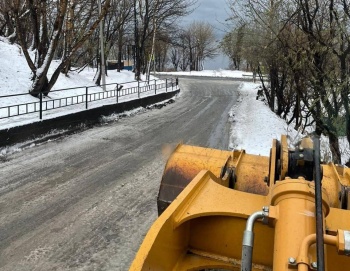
205,226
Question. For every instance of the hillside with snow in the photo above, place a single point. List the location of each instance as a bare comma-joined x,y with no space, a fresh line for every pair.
15,73
15,80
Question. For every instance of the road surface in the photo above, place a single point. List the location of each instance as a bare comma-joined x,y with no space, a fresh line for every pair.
85,201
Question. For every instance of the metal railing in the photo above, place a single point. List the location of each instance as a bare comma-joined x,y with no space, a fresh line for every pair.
86,97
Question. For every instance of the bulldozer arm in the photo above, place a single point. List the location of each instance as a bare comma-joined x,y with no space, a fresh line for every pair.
223,204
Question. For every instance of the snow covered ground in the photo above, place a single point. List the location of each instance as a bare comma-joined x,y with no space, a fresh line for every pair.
15,74
253,124
214,73
15,80
252,117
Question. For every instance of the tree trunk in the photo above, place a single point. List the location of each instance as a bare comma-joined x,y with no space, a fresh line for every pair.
137,63
120,48
273,86
345,94
69,35
152,58
335,149
40,84
98,75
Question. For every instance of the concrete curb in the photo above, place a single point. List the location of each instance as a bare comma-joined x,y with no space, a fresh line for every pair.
73,122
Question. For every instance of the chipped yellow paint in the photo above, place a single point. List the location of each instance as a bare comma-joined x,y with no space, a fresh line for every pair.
203,226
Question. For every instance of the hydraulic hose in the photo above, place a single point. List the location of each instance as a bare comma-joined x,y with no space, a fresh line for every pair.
318,203
248,240
305,245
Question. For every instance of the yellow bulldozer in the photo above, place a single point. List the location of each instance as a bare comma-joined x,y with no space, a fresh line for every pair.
228,210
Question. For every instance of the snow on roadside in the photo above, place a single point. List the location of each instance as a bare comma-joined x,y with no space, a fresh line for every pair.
213,73
57,133
15,79
254,124
139,110
253,128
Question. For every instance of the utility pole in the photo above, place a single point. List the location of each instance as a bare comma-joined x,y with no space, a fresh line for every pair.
103,67
137,50
152,58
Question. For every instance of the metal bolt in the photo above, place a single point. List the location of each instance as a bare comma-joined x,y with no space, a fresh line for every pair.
314,265
266,209
266,179
291,260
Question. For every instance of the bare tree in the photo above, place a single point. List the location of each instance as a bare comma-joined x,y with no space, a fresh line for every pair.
182,48
117,20
198,43
162,48
175,57
163,13
7,26
206,44
306,52
45,37
232,45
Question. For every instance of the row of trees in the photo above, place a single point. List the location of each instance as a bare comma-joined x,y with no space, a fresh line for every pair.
67,31
304,47
192,46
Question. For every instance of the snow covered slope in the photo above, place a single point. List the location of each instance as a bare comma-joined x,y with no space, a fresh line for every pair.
15,73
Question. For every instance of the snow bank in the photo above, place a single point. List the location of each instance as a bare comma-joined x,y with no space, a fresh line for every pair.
213,73
15,79
254,125
15,74
14,71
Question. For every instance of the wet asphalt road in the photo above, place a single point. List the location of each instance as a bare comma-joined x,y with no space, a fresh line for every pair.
85,201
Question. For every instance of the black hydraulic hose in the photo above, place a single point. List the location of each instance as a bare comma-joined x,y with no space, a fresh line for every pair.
318,202
247,258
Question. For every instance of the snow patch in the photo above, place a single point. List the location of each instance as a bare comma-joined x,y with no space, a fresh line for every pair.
254,126
16,148
115,117
213,73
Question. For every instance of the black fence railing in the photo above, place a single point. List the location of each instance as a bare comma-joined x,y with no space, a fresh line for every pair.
87,96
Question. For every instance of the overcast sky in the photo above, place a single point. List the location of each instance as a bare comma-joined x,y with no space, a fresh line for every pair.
214,12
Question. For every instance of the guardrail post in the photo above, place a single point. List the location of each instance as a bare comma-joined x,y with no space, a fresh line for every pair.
117,93
177,82
155,86
41,105
138,88
166,84
86,99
